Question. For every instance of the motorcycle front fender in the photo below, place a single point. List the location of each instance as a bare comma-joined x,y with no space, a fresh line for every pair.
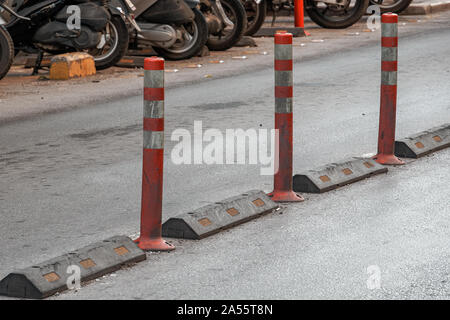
116,11
117,7
169,12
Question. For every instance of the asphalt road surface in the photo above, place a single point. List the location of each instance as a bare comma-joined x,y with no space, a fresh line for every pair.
71,178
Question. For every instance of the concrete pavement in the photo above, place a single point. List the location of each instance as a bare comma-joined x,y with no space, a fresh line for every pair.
419,7
72,178
319,249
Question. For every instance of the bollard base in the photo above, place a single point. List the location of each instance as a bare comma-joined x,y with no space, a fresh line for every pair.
285,196
389,159
154,244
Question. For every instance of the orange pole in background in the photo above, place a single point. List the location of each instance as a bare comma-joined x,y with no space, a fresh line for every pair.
298,14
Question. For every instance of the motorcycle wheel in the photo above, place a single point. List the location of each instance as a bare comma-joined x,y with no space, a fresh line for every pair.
114,44
6,52
229,36
256,14
194,37
395,6
336,16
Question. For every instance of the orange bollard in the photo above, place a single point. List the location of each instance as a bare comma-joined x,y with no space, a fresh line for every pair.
388,99
283,119
299,14
153,158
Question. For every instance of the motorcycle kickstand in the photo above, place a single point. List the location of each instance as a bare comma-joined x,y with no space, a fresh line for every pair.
273,18
275,8
37,64
291,7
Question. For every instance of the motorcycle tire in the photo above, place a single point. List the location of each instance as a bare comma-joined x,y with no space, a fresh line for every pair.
120,46
6,51
396,7
201,37
326,22
256,20
239,18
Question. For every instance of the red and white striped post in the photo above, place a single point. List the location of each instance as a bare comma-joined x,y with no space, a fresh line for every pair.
283,119
153,158
388,99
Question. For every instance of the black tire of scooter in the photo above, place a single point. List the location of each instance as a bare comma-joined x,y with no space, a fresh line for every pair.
238,31
396,8
326,23
202,28
122,46
6,51
259,19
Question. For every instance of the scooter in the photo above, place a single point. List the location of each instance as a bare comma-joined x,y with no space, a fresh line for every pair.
395,6
226,20
333,14
6,49
256,11
175,29
59,26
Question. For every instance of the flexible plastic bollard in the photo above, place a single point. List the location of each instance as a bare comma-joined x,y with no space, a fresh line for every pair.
153,158
388,93
283,119
299,14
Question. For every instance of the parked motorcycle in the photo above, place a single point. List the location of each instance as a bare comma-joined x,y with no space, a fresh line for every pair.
226,20
6,50
395,6
334,14
43,26
175,29
256,11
